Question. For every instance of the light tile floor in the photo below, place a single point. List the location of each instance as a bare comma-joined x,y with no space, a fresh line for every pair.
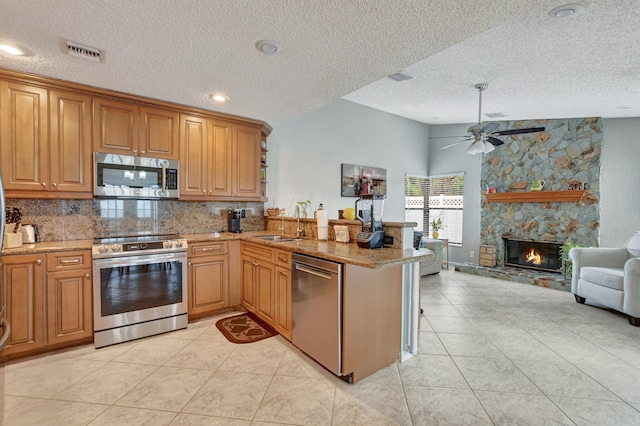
491,352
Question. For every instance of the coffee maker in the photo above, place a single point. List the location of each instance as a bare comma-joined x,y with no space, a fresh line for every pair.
233,219
369,212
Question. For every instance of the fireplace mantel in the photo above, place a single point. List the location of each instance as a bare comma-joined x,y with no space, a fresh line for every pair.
535,196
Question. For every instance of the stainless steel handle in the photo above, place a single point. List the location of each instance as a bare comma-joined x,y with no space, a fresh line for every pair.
38,262
6,334
67,261
164,176
312,272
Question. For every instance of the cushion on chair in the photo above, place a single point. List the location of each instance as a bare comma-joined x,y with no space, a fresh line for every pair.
606,277
633,245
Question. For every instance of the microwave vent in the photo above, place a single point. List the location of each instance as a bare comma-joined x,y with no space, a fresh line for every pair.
85,52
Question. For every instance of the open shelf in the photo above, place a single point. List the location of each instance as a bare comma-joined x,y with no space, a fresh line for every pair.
535,196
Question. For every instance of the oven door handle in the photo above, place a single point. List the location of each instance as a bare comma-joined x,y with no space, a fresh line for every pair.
140,258
164,177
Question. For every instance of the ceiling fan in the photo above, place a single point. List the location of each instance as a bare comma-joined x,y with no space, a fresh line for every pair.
484,137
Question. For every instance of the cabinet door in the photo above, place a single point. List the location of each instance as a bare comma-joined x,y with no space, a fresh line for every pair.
69,306
283,302
159,133
24,280
266,292
246,162
220,133
248,283
23,137
194,158
208,284
70,142
115,127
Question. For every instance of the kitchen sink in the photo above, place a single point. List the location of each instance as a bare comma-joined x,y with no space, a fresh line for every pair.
275,238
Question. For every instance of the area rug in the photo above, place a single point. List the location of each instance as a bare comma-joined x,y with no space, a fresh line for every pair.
244,328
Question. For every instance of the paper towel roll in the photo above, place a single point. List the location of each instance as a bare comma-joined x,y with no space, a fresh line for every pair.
323,224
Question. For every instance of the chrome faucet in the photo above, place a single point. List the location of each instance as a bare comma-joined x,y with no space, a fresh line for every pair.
282,222
298,230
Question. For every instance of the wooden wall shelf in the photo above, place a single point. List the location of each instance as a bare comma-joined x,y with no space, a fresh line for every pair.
535,196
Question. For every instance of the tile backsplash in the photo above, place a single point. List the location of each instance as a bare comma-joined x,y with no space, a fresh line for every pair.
87,219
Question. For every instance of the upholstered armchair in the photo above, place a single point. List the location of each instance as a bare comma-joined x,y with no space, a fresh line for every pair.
609,276
434,265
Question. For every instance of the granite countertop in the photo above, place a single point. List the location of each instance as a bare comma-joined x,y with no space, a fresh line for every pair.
49,246
331,250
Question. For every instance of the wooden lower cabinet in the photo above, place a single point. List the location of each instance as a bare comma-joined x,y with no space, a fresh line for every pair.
48,300
23,285
208,278
266,285
283,302
69,306
266,292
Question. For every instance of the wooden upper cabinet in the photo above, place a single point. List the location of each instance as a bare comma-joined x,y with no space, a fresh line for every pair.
246,162
115,127
221,145
23,137
194,158
159,133
70,142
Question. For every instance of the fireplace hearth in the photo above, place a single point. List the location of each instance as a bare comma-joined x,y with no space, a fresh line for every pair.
538,255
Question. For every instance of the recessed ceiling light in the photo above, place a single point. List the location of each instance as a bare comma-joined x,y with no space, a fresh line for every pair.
220,98
11,50
566,11
268,47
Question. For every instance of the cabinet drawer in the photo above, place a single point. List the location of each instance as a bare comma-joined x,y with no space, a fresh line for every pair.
207,249
283,258
68,260
259,251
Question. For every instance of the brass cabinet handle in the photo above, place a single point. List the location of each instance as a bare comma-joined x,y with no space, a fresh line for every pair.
38,262
188,263
87,275
55,185
67,261
135,150
44,183
284,274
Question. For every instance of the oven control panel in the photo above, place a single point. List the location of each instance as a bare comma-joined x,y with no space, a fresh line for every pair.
129,248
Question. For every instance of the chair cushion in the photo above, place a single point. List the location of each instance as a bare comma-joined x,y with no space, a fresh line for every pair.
606,277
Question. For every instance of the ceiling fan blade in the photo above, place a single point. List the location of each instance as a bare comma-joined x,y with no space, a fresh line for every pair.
494,141
489,128
457,143
448,137
519,131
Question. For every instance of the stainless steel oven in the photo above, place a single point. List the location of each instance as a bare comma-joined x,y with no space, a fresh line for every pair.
139,287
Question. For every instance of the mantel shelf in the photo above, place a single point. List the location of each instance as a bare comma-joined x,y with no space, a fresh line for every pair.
535,196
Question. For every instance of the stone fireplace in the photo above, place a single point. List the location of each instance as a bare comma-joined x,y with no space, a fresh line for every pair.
537,255
568,151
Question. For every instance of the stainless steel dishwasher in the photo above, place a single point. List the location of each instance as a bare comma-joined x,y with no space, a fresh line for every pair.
316,310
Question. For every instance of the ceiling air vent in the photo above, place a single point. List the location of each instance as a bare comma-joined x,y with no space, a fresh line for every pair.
400,76
85,52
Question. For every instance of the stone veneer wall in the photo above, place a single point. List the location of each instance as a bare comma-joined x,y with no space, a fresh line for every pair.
568,149
98,218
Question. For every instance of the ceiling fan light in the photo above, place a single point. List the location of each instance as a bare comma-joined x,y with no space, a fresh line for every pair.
475,148
488,147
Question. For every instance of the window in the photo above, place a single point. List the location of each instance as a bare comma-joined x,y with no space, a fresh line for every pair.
430,198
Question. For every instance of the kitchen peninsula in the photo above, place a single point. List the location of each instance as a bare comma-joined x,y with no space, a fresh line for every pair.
376,314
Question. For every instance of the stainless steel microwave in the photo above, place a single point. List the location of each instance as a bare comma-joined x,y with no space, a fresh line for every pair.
126,176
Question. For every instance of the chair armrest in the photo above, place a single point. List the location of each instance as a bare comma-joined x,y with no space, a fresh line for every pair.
631,304
595,256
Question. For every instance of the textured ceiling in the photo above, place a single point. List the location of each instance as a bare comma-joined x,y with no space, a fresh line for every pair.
536,67
182,51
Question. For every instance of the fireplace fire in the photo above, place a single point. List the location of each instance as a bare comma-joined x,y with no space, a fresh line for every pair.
539,255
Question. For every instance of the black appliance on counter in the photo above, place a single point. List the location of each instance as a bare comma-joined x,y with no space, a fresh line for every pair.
233,219
369,212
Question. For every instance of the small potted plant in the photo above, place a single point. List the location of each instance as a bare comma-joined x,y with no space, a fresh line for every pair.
436,225
304,207
567,265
